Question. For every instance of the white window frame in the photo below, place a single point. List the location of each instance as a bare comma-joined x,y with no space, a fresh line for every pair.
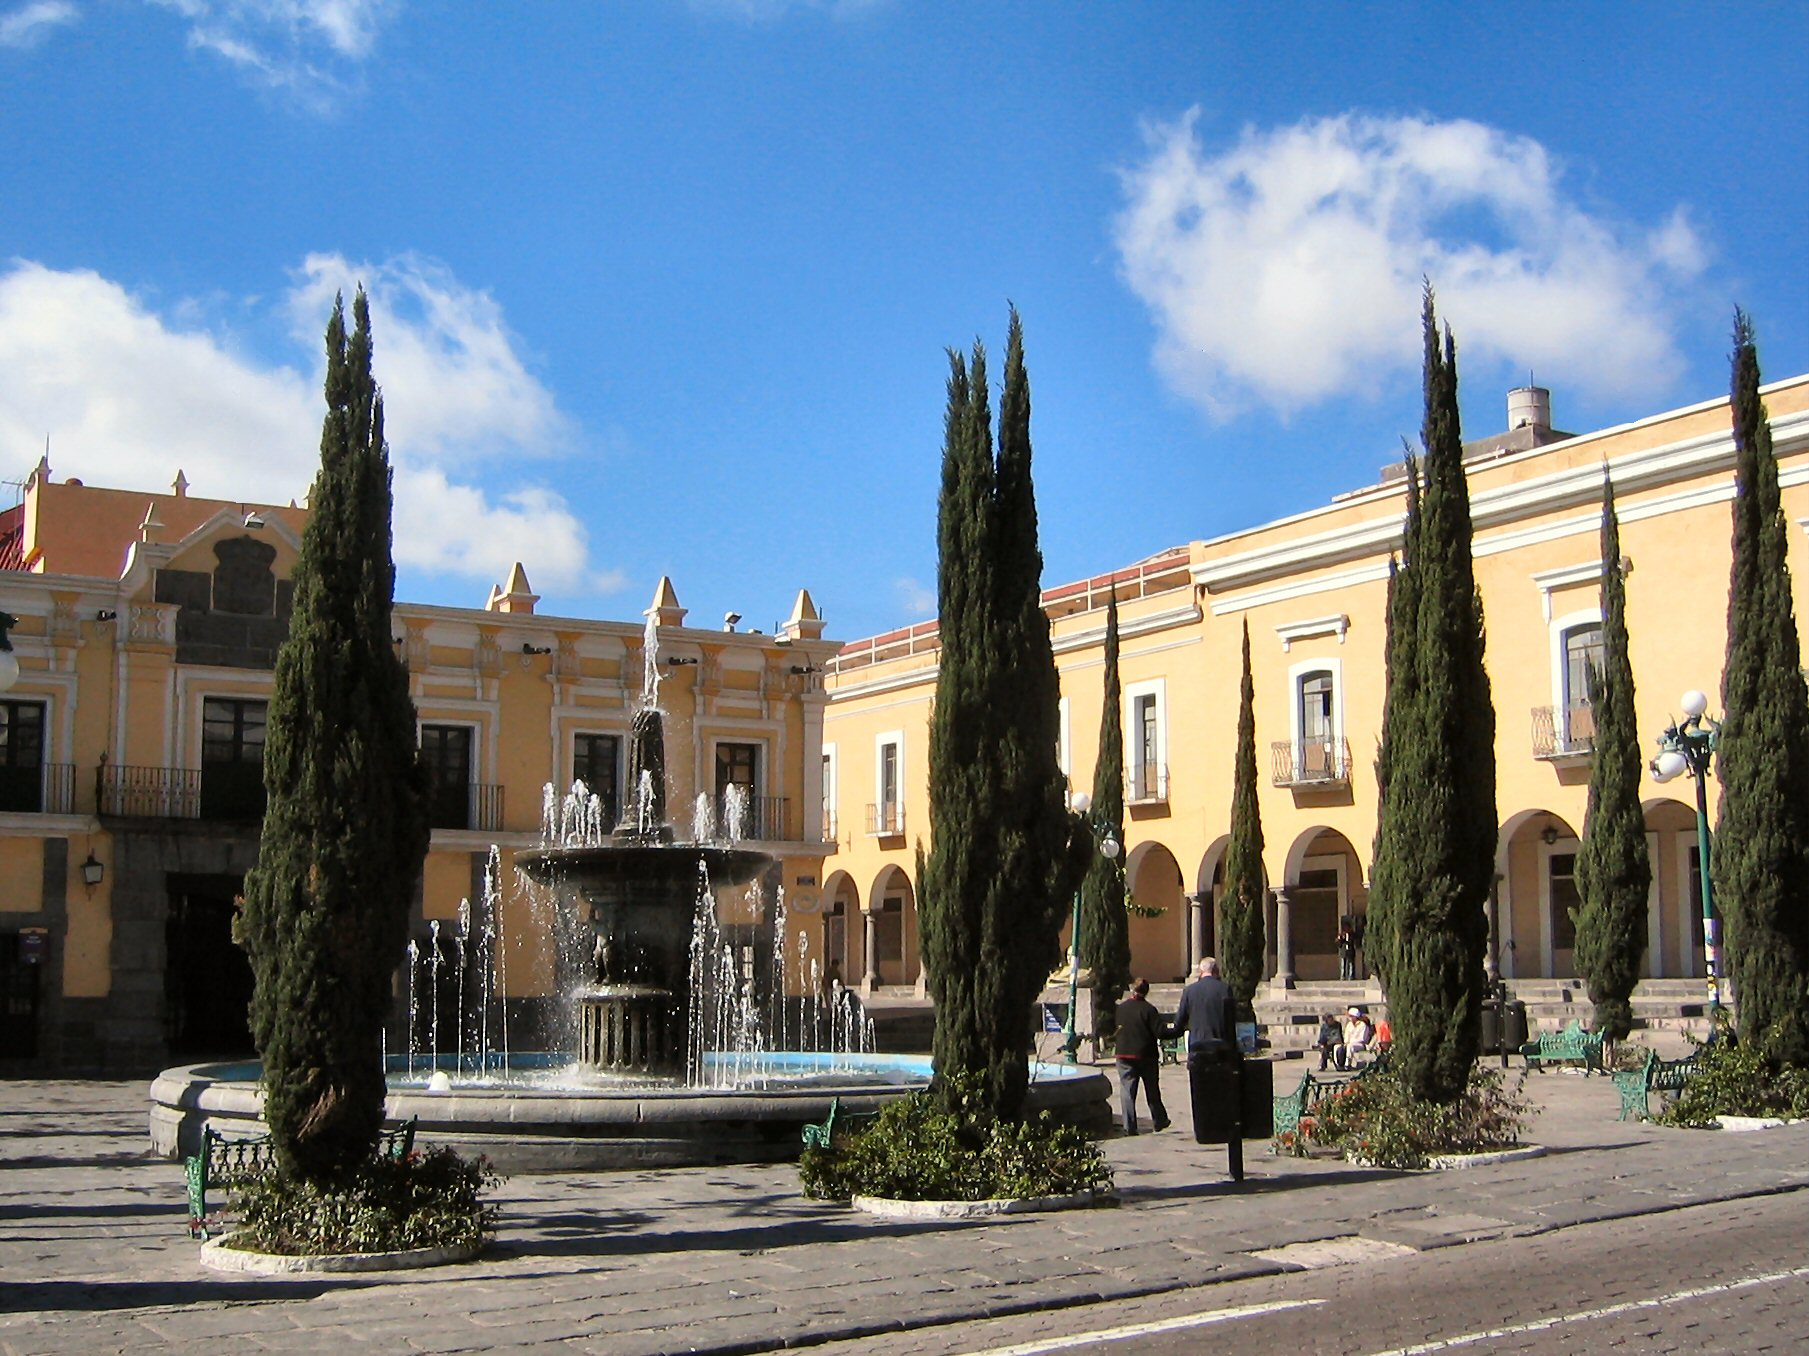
1064,758
829,812
895,740
1560,628
1297,676
1155,689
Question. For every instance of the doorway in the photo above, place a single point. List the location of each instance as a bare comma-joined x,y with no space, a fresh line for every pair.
207,976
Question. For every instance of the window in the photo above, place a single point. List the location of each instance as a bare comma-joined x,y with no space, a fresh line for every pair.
1561,870
232,759
1146,742
1583,660
738,766
886,815
1317,732
22,756
446,756
596,761
828,833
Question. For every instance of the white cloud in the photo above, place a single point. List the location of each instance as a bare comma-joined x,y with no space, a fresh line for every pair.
30,24
129,397
1286,268
914,597
306,47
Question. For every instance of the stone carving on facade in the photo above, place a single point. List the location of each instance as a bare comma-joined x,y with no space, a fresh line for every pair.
151,624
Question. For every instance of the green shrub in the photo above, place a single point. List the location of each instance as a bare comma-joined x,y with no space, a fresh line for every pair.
916,1151
1374,1119
430,1199
1733,1078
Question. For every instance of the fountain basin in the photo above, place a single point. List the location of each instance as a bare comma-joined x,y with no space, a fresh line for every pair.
540,1114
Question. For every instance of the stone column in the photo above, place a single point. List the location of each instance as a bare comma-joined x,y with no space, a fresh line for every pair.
1284,939
870,951
1196,929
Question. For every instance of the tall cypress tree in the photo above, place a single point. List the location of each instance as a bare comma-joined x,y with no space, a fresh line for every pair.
1614,873
1436,836
1241,904
345,832
1003,857
1761,858
1104,944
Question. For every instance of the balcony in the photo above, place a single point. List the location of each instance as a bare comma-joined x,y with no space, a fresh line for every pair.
477,805
1563,731
149,792
46,789
1148,784
762,818
886,821
1308,765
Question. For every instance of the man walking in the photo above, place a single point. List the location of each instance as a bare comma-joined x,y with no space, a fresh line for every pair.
1208,1014
1139,1052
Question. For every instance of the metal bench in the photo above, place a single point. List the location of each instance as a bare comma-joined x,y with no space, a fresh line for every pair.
224,1159
1572,1045
820,1134
1655,1075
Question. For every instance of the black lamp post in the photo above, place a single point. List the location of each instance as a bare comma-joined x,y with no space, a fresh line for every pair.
1686,747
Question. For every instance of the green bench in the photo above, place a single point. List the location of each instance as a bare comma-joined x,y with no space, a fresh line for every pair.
225,1159
820,1134
1572,1045
1292,1107
1655,1075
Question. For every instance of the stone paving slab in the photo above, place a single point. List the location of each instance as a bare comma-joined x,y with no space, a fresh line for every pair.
95,1256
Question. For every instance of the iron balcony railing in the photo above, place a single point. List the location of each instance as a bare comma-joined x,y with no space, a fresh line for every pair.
1316,762
1148,783
41,789
765,818
886,821
477,805
149,792
1563,731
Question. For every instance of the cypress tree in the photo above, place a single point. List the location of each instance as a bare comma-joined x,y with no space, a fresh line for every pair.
1004,851
1241,904
345,833
1435,857
1614,874
1104,944
1760,863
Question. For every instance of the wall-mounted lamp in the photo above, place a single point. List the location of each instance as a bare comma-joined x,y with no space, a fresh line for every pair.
92,870
1549,834
105,614
805,668
535,649
676,661
254,521
730,620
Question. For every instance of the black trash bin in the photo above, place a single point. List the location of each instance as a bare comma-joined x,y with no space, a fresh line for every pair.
1491,1026
1514,1026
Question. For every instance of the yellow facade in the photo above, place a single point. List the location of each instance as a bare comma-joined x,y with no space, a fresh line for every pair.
1311,589
147,629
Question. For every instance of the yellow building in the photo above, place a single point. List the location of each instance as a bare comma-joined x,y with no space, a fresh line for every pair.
1311,589
131,757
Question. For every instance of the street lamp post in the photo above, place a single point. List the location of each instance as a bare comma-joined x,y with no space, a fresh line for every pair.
1687,747
1109,848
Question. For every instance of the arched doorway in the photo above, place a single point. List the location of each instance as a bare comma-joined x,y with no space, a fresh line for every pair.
1324,881
1159,919
841,934
890,925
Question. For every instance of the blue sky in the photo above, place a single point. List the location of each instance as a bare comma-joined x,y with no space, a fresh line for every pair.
665,288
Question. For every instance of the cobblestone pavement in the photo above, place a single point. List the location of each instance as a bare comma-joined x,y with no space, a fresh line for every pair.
95,1256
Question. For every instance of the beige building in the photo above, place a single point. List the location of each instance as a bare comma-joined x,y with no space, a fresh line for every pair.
1311,589
131,746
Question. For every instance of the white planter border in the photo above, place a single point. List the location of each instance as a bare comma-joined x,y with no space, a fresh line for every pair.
887,1208
217,1254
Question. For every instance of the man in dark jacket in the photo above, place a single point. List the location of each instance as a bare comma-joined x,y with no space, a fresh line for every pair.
1140,1033
1208,1014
